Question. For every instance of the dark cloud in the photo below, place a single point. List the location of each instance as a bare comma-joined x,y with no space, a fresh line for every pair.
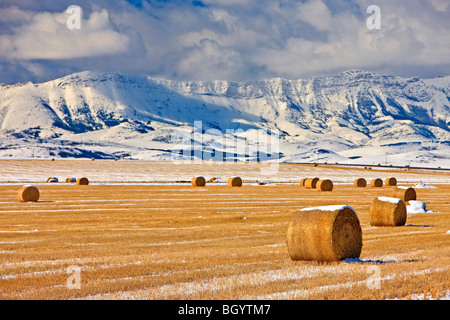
223,39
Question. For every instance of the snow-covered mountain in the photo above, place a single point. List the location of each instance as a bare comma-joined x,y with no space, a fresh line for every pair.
352,117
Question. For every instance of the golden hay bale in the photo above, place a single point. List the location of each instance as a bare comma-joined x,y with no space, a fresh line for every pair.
71,180
302,182
234,182
387,211
378,183
324,185
198,181
28,193
391,181
405,193
329,233
52,179
82,181
310,183
360,183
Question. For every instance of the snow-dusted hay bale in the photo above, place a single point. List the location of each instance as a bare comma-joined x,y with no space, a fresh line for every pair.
378,183
310,183
52,179
360,183
28,193
387,211
404,193
390,181
198,181
329,233
82,181
234,182
71,180
324,185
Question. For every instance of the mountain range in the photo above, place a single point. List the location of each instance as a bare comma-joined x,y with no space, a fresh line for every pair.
351,117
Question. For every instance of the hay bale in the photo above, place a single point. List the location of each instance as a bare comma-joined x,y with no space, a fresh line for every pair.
360,183
52,179
404,193
329,233
82,181
198,181
310,183
378,183
302,182
324,185
71,180
387,211
234,182
391,181
28,193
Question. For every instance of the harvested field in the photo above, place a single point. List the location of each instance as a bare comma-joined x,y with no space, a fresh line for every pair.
142,240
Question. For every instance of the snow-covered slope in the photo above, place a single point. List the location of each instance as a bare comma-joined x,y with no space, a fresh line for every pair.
354,116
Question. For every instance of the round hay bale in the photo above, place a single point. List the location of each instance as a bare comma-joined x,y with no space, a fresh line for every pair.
324,185
330,233
310,183
28,193
404,193
52,179
387,211
302,182
82,181
198,181
71,180
391,181
360,183
234,182
378,183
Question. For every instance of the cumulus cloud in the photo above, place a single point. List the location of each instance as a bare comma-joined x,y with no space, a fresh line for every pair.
230,39
46,36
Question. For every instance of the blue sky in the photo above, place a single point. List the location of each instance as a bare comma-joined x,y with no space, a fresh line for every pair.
223,39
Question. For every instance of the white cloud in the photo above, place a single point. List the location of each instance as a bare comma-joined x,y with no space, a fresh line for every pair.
316,13
46,36
225,39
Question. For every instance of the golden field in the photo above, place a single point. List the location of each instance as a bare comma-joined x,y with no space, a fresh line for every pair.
131,238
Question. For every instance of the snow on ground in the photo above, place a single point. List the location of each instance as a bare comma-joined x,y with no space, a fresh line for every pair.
126,171
417,207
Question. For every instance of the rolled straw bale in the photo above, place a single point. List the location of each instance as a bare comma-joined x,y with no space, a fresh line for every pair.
234,182
360,183
82,181
387,211
404,193
329,233
378,183
52,179
391,181
71,180
198,181
324,185
302,182
28,193
310,183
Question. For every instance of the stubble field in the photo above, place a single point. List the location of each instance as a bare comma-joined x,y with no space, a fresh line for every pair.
138,231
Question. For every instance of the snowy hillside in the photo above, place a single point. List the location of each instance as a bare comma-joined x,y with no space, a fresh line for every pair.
352,117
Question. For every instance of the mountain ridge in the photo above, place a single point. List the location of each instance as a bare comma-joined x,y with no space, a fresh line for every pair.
109,115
